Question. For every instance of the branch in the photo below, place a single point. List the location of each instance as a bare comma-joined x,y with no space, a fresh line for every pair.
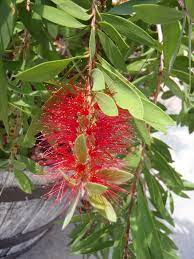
161,66
91,61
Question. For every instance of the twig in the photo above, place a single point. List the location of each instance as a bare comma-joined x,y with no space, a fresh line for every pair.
161,66
28,4
91,61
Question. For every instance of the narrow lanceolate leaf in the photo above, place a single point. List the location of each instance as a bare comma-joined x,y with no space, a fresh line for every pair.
156,191
57,16
190,7
23,181
130,30
98,80
174,87
112,52
7,21
143,131
71,210
167,173
157,14
139,238
127,8
115,36
72,9
124,95
99,202
33,129
106,104
3,97
44,71
80,149
148,226
92,43
156,117
95,188
133,158
115,176
171,34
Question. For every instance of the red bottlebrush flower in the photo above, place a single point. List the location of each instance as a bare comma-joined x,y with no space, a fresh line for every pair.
82,145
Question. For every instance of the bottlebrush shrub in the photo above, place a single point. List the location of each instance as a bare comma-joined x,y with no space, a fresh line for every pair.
82,146
95,138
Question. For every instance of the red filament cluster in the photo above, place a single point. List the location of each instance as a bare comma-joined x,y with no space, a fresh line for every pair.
68,114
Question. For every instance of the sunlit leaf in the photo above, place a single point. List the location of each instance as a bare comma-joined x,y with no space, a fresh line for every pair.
106,104
71,210
95,188
157,14
98,80
115,176
57,16
80,149
44,71
23,181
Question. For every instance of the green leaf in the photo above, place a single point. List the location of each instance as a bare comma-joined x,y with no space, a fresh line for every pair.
167,174
171,34
86,4
3,97
162,148
127,8
139,237
90,240
130,30
57,16
98,246
188,186
23,181
33,129
80,149
71,210
155,116
115,176
175,89
18,165
106,104
190,7
98,80
92,43
32,166
95,188
183,76
157,14
112,52
7,22
124,94
119,243
143,131
156,191
115,36
147,225
72,9
44,71
99,202
137,66
133,158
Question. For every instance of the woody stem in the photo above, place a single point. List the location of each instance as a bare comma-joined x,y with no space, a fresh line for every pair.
91,61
